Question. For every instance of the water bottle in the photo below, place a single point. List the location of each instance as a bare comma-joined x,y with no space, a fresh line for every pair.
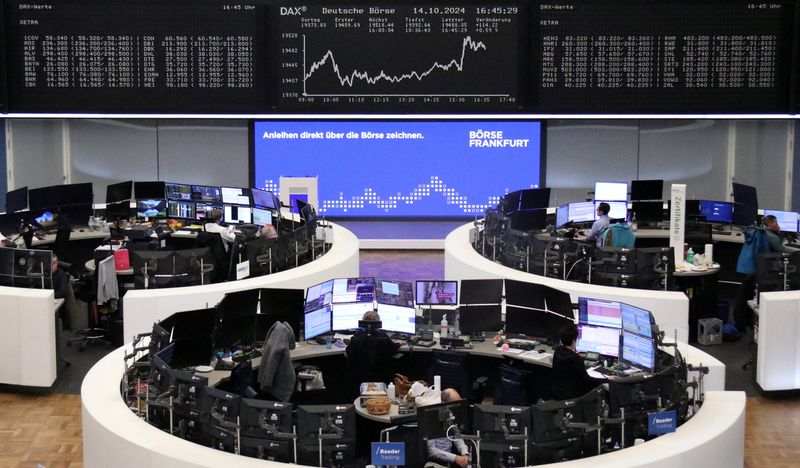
690,256
390,391
443,326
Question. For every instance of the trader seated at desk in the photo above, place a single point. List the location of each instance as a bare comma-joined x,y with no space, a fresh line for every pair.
599,226
369,354
773,230
444,451
269,232
213,225
570,379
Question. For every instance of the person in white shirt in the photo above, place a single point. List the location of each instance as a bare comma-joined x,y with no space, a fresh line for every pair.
599,226
213,225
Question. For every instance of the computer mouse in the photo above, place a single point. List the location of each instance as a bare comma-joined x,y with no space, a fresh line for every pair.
540,350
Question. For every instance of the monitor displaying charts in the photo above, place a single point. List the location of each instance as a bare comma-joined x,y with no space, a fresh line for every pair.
399,319
617,209
262,217
353,290
600,340
235,196
638,351
599,312
317,322
636,320
345,316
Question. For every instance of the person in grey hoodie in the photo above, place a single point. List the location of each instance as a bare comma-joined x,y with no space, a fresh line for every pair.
276,374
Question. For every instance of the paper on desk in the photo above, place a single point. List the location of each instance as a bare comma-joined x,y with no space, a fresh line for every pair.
341,336
536,356
511,350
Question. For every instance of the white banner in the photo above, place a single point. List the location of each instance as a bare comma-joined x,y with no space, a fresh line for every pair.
677,220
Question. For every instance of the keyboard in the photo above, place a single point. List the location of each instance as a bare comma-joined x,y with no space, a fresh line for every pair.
722,233
423,343
608,371
793,245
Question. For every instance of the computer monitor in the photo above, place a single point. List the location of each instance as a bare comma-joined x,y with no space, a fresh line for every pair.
300,204
581,212
75,215
562,215
262,217
235,196
717,211
75,194
160,378
534,198
221,405
481,291
476,319
553,440
345,315
284,305
238,214
613,191
236,319
159,337
17,200
529,220
181,209
207,194
43,197
156,208
265,419
121,210
338,421
193,324
648,211
440,420
745,195
615,260
787,220
499,421
600,340
263,199
202,208
599,312
509,203
149,190
188,387
353,290
558,302
617,209
398,319
647,189
637,320
32,268
317,322
638,351
319,295
179,192
277,450
535,323
432,292
119,192
399,293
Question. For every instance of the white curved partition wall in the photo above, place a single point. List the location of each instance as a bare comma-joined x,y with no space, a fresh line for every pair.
462,261
27,337
143,307
111,431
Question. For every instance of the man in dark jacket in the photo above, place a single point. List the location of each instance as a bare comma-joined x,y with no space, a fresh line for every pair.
570,379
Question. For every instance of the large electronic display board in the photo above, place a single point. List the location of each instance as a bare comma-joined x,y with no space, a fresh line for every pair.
144,56
624,56
389,56
400,168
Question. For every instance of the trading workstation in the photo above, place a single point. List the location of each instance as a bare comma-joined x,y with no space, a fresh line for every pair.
169,383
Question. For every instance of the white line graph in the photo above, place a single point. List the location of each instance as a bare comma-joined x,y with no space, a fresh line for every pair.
350,79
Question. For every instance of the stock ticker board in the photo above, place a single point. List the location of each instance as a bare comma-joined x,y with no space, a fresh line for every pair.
260,56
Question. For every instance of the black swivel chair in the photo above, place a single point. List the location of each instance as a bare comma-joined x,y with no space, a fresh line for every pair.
27,236
214,242
95,333
452,366
513,388
61,244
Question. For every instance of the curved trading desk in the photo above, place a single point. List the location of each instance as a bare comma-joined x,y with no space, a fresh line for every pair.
462,261
143,307
111,431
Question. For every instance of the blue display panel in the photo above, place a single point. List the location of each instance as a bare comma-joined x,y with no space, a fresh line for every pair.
450,168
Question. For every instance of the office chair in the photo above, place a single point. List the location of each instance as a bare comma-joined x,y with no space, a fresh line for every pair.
513,388
214,242
61,244
94,333
452,367
27,236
